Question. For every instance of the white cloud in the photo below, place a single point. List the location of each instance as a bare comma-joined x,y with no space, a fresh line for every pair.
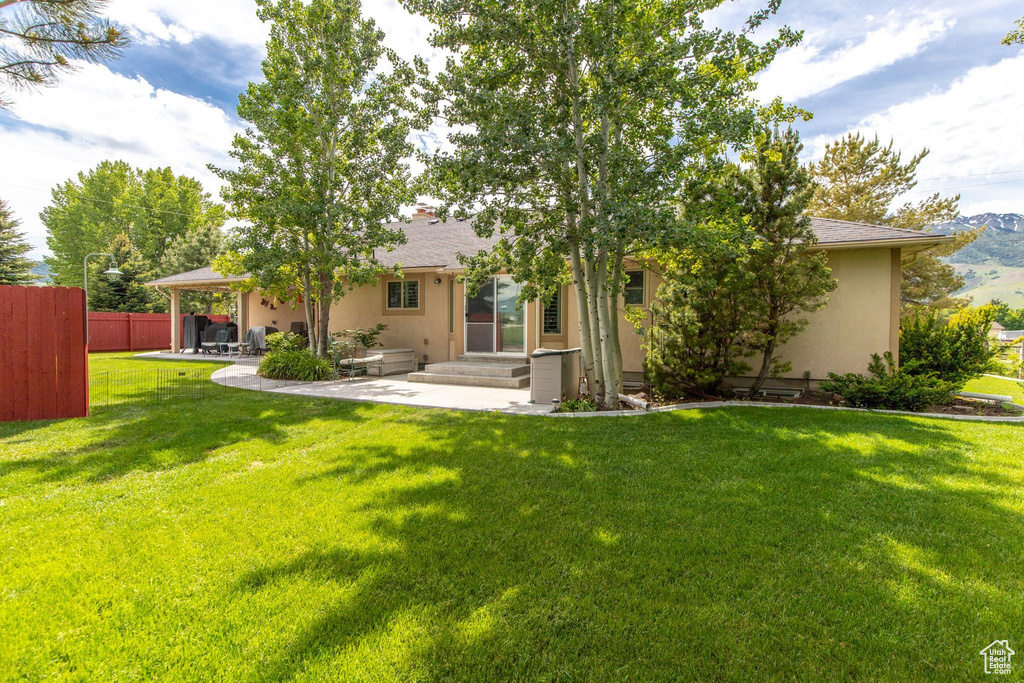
973,127
235,22
182,21
94,115
812,67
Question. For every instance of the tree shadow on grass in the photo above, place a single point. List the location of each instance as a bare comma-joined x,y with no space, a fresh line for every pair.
160,435
710,544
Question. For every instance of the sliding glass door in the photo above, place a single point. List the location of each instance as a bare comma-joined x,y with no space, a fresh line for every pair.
480,320
495,323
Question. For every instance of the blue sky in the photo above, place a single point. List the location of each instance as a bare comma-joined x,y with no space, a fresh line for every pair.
927,74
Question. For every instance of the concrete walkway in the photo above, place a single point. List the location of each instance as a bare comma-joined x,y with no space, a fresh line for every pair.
395,389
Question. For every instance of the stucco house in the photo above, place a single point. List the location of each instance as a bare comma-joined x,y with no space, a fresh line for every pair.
428,311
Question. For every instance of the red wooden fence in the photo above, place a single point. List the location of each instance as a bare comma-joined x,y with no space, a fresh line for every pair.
134,331
44,364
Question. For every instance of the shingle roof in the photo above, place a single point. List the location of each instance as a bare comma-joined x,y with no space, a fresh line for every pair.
437,244
205,275
832,231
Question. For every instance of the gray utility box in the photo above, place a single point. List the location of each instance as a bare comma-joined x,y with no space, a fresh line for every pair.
554,374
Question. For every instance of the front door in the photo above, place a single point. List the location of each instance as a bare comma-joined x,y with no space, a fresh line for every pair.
495,323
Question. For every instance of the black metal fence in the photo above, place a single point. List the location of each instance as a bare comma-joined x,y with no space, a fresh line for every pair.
118,387
123,387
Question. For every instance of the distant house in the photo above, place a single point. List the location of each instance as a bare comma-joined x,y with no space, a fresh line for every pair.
1010,335
995,329
429,311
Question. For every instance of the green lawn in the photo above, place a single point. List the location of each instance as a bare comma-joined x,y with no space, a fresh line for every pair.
256,536
1002,387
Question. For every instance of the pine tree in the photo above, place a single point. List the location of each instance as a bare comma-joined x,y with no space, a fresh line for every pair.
15,269
859,180
702,314
774,194
196,249
41,37
125,293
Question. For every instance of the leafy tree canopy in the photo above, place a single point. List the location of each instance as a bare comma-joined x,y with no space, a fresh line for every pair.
321,167
575,126
153,207
15,268
1016,36
40,38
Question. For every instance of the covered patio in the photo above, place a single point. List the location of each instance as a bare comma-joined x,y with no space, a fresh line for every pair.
201,280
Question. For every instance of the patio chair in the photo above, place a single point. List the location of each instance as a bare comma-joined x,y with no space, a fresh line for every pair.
232,346
350,358
219,342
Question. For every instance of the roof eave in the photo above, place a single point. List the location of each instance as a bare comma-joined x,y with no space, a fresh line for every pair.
916,243
185,284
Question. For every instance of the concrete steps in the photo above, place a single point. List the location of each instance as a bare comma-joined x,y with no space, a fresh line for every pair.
503,373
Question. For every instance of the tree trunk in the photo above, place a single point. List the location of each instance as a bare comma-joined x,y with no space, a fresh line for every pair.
597,391
610,372
614,302
583,312
766,364
307,303
326,297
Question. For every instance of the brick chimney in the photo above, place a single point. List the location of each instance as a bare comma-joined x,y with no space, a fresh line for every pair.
424,212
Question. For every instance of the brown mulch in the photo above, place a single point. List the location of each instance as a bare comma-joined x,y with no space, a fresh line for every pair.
959,406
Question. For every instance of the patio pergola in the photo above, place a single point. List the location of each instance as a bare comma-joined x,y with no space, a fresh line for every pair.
200,280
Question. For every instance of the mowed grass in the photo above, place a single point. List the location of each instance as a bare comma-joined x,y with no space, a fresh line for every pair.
258,537
1000,386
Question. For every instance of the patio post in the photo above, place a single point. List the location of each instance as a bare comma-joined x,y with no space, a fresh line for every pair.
175,320
243,314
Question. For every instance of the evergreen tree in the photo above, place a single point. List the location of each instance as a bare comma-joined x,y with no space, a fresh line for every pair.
15,269
702,314
125,293
859,180
790,278
195,249
41,37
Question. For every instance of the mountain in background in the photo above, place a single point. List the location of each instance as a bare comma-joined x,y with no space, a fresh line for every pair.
41,271
1002,243
993,264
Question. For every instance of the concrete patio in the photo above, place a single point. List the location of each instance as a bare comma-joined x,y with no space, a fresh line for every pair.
394,389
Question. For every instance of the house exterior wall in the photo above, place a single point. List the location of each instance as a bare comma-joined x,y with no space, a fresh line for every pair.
861,318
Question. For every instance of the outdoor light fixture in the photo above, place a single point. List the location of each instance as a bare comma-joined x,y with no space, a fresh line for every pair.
85,284
437,280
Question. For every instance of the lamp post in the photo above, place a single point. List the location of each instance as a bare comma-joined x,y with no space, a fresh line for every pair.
85,281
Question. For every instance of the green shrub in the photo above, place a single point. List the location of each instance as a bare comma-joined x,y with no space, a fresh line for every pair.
890,389
286,341
577,405
957,351
365,338
296,364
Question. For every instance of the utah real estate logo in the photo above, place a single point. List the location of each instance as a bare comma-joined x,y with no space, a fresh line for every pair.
997,657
